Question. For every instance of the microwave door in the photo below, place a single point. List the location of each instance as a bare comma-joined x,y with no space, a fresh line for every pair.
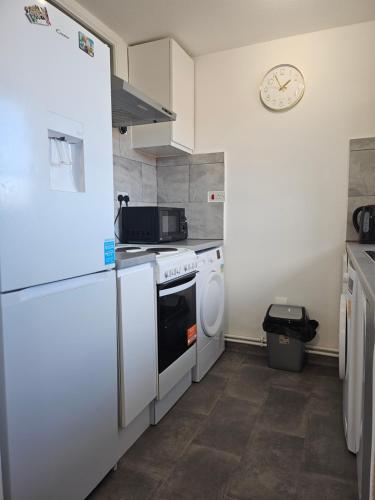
169,225
172,224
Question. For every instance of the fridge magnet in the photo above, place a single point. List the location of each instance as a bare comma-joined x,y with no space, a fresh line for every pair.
86,44
37,15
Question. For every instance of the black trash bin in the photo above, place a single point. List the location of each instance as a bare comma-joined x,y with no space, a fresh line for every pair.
288,328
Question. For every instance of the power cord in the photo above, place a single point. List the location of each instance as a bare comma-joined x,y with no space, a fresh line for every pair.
121,199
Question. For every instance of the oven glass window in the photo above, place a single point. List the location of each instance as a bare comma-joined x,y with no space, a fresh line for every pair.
169,223
176,323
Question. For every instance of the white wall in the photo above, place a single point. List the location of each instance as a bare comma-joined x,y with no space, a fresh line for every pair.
287,173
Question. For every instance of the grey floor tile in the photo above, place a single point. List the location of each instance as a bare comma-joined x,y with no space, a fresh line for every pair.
125,484
313,486
202,397
251,383
229,426
159,447
227,364
201,474
291,380
270,468
320,370
325,448
285,411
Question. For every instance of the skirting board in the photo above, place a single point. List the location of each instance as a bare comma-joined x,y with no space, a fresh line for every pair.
323,351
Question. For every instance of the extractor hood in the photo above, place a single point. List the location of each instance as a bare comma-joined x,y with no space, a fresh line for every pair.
131,107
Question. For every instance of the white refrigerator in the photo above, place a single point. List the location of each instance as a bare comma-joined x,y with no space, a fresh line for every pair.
58,346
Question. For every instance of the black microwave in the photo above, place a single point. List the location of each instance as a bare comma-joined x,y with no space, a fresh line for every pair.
152,224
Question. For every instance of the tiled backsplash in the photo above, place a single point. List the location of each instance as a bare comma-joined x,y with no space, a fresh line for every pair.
361,179
179,181
133,172
184,181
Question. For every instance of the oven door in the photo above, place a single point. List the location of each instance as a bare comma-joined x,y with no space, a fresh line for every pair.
177,327
172,224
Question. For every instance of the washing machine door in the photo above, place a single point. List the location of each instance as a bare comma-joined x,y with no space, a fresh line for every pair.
212,304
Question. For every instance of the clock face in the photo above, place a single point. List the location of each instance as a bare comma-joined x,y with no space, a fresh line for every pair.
282,87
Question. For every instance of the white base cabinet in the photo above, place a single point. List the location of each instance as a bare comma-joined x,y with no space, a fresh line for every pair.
165,72
137,339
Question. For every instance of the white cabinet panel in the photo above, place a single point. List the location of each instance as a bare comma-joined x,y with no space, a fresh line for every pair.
151,59
182,96
165,72
137,340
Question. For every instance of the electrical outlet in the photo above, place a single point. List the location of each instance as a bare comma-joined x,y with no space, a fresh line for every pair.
215,196
281,300
123,193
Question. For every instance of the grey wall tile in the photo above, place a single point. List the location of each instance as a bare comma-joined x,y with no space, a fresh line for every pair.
128,177
205,177
172,161
355,202
115,142
149,184
365,143
206,220
207,158
173,184
362,173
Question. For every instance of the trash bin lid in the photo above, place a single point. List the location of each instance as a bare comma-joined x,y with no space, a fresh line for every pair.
286,312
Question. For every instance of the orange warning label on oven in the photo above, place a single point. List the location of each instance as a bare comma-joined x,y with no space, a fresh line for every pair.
191,334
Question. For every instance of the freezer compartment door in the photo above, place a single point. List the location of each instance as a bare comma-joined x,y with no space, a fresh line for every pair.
56,167
59,412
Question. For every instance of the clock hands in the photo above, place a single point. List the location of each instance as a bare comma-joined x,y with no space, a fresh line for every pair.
278,82
285,85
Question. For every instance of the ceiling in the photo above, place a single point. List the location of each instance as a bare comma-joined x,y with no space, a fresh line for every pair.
203,26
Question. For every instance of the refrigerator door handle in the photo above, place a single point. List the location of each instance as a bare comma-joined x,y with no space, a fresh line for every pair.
53,288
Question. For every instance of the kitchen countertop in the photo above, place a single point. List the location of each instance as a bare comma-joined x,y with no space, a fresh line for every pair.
125,260
195,245
364,266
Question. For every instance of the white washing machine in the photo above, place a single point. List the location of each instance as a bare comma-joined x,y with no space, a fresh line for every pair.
351,356
210,310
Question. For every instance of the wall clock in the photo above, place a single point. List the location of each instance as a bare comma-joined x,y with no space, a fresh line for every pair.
282,87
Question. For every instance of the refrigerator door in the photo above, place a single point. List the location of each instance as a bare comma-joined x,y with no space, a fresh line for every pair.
56,168
58,388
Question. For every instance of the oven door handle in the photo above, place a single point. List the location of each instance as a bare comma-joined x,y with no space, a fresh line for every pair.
176,289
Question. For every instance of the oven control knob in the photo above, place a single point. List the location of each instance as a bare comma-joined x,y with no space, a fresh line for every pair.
165,274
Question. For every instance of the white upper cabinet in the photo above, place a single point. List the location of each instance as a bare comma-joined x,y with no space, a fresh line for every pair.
165,72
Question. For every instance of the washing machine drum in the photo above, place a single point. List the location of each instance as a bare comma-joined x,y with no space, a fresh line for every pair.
212,304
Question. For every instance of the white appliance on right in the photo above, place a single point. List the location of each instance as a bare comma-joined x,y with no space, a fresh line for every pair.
351,358
210,310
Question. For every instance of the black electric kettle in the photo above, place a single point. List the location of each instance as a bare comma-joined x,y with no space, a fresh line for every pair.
364,223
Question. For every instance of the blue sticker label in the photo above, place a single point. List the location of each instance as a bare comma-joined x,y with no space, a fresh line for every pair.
109,252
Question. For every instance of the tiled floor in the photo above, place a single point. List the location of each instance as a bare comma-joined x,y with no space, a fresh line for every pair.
244,432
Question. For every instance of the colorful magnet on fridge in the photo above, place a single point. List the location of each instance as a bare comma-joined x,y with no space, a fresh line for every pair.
86,44
37,15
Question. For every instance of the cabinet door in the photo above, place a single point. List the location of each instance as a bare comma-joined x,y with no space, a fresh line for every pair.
182,96
149,70
137,340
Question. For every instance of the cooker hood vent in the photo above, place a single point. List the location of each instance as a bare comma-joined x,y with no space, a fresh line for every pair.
130,107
